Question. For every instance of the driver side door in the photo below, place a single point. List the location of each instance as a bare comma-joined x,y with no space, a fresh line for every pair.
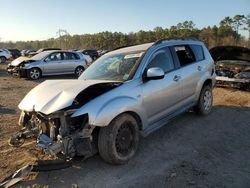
52,64
161,97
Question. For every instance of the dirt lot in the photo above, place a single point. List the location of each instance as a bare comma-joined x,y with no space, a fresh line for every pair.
192,151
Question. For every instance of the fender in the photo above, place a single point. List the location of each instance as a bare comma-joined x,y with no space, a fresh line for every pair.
102,115
205,76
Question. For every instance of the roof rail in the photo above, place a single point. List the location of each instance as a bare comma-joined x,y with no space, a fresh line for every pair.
174,38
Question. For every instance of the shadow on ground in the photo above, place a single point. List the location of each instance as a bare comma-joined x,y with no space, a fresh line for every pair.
4,110
191,151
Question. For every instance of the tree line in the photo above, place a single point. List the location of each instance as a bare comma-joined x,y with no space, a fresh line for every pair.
226,33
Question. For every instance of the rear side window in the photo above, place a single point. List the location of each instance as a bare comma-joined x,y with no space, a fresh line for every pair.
76,56
198,52
185,55
162,59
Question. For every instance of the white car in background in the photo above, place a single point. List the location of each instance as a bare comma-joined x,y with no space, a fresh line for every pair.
4,55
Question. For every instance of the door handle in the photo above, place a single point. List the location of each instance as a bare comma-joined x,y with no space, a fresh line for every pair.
199,68
176,78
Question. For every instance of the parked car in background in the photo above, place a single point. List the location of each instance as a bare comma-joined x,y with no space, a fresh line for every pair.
52,62
89,60
92,53
232,66
15,53
25,53
126,92
102,52
4,55
42,50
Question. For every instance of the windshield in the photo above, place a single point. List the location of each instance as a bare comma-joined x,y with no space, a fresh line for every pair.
116,67
40,56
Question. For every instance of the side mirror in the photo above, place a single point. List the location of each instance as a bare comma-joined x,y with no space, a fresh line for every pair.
155,73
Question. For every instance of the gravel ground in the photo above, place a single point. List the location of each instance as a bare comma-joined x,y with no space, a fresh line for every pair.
191,151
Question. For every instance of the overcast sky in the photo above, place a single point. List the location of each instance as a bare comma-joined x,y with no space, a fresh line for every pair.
41,19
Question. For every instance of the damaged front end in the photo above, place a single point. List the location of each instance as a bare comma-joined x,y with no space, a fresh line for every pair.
47,116
233,73
232,66
16,68
57,133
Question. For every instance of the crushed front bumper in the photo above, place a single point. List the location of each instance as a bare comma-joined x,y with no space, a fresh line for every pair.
16,71
57,133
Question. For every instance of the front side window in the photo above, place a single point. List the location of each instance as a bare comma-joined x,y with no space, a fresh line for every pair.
185,55
54,57
118,67
162,59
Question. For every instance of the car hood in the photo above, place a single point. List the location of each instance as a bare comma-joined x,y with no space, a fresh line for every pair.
19,60
54,95
220,53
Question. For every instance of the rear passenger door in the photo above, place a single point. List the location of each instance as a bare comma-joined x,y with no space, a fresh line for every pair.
69,62
190,59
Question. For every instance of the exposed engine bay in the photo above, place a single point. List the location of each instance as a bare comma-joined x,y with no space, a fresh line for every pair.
232,66
59,133
233,73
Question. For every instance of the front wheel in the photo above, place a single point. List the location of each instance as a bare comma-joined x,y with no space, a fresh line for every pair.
205,103
34,73
118,142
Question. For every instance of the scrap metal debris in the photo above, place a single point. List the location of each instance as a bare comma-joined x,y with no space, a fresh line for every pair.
39,166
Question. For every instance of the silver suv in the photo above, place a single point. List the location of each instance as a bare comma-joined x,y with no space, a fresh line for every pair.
126,93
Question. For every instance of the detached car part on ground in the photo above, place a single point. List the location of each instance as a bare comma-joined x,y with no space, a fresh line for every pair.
232,66
125,93
52,62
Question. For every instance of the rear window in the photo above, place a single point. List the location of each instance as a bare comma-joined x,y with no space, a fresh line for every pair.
198,52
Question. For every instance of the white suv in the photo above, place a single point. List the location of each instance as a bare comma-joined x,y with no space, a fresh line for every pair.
4,55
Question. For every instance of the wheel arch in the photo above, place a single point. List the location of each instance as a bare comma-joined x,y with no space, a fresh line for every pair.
203,82
133,114
208,82
35,68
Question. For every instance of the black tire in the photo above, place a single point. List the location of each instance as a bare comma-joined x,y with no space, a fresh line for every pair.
205,103
34,73
118,142
3,59
79,70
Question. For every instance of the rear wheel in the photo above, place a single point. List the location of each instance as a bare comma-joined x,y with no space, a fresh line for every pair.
79,70
205,103
3,59
34,73
118,142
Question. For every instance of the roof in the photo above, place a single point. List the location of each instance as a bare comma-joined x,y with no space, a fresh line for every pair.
144,47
